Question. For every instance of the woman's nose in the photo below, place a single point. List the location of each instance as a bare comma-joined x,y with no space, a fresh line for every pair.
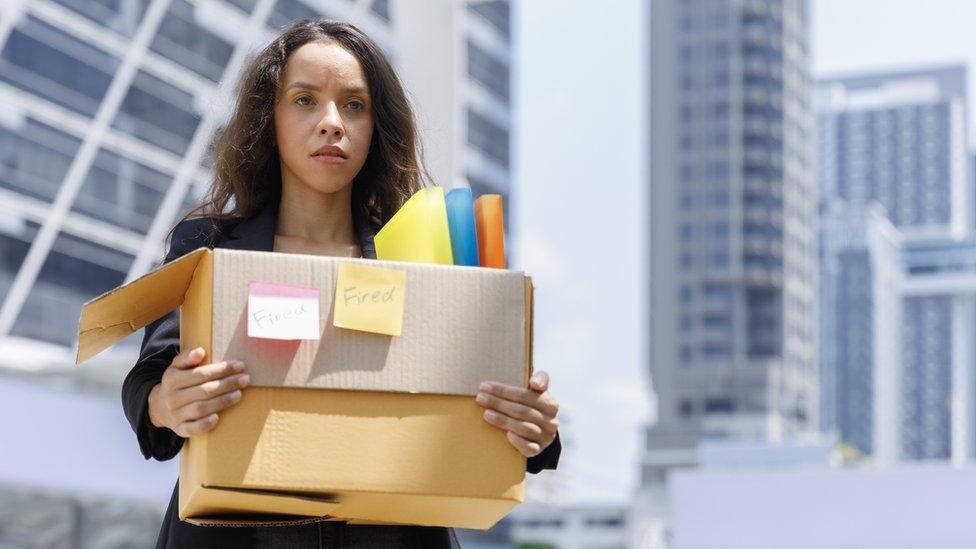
331,122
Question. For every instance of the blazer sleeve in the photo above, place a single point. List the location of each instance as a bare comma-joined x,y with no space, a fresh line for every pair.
160,344
548,459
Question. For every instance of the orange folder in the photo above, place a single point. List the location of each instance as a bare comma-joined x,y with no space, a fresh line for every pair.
490,225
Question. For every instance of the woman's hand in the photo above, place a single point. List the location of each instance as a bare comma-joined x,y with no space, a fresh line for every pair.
190,394
529,415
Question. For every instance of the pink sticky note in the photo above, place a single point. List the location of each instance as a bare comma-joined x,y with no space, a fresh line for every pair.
282,311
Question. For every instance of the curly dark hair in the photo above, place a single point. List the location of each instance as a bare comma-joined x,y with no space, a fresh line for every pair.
246,167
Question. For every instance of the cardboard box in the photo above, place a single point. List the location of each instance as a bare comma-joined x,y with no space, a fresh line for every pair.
355,426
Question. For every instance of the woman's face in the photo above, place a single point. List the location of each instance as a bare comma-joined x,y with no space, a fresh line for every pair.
323,117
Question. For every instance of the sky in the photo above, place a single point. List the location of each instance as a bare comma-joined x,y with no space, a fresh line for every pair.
579,230
579,201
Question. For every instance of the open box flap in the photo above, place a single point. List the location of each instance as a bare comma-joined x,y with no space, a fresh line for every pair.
115,314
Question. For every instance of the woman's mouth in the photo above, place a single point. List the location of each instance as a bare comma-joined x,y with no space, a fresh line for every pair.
328,159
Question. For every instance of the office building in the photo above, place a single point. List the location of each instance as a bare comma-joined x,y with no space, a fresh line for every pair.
733,213
894,143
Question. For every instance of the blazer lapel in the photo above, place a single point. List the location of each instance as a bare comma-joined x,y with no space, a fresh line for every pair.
257,232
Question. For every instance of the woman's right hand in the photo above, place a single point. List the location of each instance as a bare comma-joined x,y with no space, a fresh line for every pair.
191,394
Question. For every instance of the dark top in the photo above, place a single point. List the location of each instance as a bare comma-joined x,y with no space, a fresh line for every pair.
162,342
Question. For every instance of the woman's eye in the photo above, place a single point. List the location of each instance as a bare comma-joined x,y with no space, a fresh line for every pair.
304,100
356,105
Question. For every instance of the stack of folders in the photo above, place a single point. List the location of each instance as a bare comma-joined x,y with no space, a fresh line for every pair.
450,230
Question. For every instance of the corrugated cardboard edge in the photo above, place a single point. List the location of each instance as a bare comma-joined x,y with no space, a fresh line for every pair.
114,315
529,328
303,507
234,522
353,507
196,331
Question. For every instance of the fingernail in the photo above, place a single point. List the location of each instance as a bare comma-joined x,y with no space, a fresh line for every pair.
235,395
245,379
237,365
489,414
482,398
485,386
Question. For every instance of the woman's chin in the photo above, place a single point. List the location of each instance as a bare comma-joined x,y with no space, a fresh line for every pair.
324,187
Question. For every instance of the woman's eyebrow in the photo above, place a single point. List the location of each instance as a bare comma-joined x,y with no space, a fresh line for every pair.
313,87
304,85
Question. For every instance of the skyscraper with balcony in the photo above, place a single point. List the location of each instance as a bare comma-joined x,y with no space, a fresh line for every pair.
733,227
106,113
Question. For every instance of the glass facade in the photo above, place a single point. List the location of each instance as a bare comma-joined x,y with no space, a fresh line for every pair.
57,72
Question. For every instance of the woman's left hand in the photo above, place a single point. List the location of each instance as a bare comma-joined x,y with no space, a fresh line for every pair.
528,415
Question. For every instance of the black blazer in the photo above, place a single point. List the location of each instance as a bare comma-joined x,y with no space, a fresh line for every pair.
161,343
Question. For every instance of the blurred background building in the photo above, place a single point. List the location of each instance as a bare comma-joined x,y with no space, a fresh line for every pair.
863,356
733,231
107,109
897,200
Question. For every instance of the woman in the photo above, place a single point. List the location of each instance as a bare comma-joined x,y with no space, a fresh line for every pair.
320,151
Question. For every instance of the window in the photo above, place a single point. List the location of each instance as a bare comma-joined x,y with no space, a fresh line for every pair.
121,17
489,72
716,322
48,63
182,40
121,191
716,352
35,159
605,522
488,137
496,13
381,8
158,113
286,12
719,405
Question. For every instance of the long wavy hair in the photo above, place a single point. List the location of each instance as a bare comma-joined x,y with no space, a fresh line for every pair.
246,169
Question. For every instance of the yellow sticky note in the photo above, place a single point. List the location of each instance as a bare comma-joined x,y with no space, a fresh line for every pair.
370,299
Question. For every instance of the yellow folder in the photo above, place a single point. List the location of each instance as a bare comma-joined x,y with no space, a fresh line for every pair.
418,232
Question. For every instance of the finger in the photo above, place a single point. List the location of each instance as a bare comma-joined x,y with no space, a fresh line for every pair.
189,358
524,429
199,375
539,382
526,447
198,427
210,389
510,409
203,408
520,394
